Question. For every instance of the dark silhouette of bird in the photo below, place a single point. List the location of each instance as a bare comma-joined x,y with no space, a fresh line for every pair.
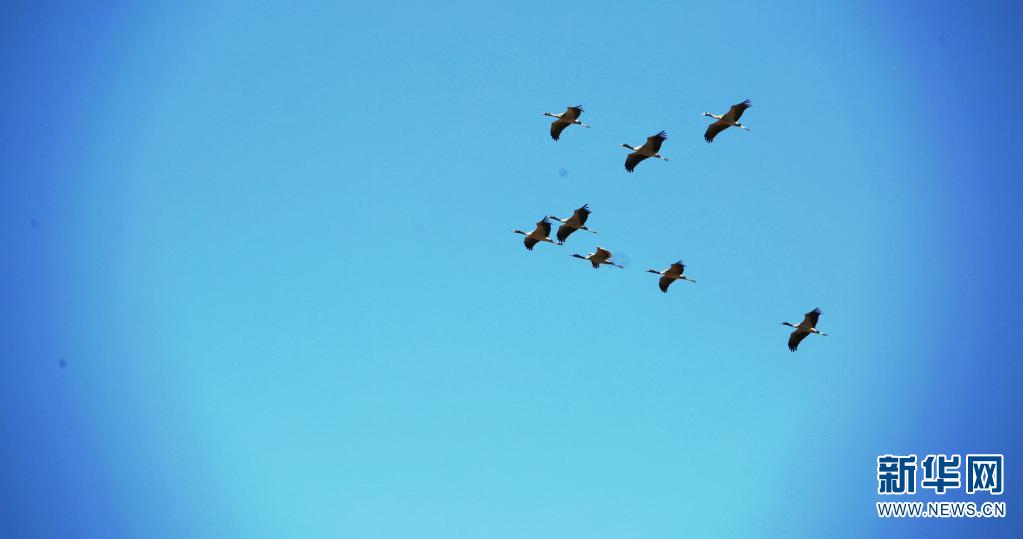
576,222
675,272
542,232
804,328
565,119
648,149
601,256
729,119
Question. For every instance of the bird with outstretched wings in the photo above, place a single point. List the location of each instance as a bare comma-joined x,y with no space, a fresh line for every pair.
729,119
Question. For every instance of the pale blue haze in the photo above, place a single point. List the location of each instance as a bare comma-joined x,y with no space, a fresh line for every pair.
273,245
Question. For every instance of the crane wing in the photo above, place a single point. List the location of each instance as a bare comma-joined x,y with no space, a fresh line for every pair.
678,268
713,130
572,113
564,231
632,160
530,242
811,318
653,142
664,282
736,111
544,226
557,126
795,338
582,214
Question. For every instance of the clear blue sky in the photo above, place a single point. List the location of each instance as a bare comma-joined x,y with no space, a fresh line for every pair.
273,246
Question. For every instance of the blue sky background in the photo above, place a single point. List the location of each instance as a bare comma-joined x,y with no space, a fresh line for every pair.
273,247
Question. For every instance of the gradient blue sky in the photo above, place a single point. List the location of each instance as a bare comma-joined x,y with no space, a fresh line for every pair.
273,246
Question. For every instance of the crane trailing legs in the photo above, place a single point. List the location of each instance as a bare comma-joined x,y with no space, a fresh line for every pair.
541,233
565,119
675,272
804,328
601,256
649,149
726,120
576,222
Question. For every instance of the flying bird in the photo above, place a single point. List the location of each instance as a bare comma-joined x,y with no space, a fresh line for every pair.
540,233
730,118
649,149
576,222
675,272
602,256
565,119
806,327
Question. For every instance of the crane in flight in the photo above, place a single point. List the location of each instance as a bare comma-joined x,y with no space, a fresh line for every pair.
576,222
565,119
804,328
648,149
728,119
675,272
542,232
601,256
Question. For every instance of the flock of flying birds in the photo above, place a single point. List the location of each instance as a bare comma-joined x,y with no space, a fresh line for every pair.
651,148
